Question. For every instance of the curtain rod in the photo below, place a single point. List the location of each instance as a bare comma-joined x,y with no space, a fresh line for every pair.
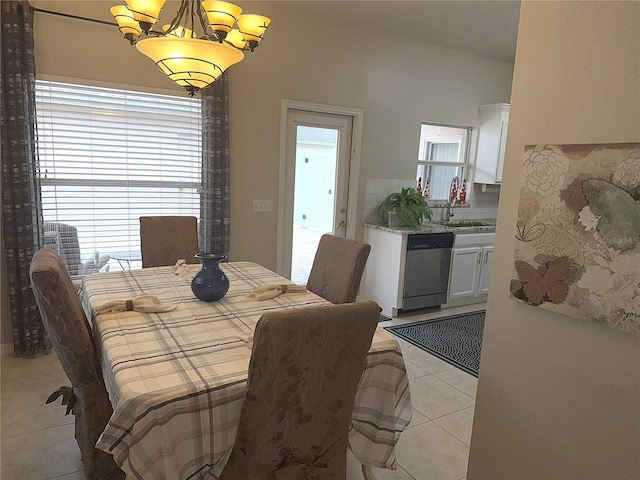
77,17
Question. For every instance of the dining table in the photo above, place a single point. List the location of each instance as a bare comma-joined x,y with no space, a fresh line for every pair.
176,379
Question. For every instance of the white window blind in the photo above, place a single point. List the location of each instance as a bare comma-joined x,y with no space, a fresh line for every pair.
108,157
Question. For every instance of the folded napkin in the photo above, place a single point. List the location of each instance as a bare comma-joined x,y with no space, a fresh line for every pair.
182,269
142,303
266,292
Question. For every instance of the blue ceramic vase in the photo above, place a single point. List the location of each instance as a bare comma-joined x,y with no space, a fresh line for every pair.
210,283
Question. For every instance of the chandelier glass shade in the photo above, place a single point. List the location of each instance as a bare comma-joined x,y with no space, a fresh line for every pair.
126,23
190,61
222,16
146,12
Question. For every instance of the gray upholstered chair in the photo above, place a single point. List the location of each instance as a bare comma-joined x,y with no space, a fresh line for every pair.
303,375
66,324
165,240
337,268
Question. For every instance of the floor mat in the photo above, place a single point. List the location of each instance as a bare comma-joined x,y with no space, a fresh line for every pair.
456,339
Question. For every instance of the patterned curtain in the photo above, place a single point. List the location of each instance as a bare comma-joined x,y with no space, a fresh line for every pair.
215,193
21,203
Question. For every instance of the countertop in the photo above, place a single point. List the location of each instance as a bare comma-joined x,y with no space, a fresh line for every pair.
488,227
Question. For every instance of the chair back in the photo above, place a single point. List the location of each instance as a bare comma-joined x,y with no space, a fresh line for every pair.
63,317
67,327
303,375
337,268
165,240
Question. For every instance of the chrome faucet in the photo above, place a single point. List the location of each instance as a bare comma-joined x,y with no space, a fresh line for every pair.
451,203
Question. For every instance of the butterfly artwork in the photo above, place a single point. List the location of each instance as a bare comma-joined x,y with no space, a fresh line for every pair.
577,233
617,211
547,283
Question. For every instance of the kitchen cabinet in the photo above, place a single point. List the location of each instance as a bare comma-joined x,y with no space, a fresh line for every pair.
492,138
471,260
401,275
383,278
470,268
485,270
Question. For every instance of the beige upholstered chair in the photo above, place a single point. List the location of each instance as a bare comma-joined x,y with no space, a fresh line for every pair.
67,327
337,268
304,371
165,240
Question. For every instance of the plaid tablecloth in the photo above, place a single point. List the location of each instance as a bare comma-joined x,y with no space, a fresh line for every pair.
177,379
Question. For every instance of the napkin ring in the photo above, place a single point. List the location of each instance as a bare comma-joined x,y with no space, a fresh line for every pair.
129,305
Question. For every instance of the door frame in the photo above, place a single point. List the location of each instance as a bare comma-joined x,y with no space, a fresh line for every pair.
356,115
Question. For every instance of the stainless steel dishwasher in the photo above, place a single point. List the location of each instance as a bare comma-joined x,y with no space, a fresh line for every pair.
426,277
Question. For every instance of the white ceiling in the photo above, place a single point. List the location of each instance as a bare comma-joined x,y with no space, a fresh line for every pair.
482,27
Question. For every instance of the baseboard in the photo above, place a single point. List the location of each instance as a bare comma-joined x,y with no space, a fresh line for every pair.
460,302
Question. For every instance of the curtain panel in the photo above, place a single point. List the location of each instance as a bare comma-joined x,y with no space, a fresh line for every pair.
216,188
21,204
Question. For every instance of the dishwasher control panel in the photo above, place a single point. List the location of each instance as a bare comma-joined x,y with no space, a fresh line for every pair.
425,241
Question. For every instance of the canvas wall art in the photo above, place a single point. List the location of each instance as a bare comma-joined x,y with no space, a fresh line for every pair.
577,248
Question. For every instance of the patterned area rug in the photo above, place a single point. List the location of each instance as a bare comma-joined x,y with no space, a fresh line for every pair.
456,339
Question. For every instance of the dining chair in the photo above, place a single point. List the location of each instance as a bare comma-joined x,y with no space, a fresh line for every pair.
166,239
337,268
70,334
303,375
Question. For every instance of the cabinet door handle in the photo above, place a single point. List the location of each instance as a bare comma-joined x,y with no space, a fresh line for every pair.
479,258
486,257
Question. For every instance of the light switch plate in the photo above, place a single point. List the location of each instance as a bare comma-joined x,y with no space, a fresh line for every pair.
263,205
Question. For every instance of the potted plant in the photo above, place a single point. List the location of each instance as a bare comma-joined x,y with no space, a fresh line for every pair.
408,206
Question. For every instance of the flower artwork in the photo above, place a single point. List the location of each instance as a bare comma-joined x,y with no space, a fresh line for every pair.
577,248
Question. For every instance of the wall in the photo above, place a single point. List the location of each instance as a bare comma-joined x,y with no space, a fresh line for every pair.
559,398
90,53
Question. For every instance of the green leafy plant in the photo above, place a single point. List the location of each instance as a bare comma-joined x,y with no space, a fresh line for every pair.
410,206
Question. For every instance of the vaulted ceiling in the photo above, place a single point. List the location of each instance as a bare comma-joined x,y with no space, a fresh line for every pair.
482,27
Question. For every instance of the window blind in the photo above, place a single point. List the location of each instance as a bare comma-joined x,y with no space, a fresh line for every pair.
107,157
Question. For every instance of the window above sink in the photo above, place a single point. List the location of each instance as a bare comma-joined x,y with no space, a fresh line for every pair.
443,154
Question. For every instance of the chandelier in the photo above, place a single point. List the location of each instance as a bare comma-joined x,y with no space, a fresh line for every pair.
191,62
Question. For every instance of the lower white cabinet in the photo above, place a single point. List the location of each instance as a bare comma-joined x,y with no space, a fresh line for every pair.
469,275
485,270
383,277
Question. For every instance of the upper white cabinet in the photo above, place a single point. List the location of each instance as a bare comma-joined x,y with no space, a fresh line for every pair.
492,138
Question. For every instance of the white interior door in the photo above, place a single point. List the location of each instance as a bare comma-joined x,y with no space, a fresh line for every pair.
316,186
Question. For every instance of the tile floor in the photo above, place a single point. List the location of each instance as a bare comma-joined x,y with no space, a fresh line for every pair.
37,441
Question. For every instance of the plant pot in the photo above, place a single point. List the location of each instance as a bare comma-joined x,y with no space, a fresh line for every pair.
396,220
